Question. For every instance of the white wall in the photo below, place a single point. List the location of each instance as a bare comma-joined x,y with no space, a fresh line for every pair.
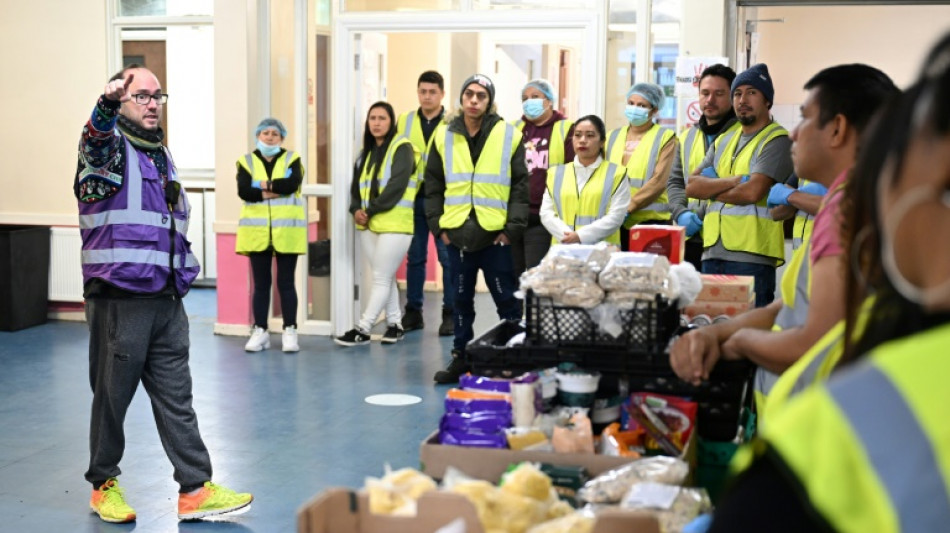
53,60
891,38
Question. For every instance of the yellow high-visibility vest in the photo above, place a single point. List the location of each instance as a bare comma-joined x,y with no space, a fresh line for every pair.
407,125
871,447
744,228
640,169
399,219
282,221
592,203
484,187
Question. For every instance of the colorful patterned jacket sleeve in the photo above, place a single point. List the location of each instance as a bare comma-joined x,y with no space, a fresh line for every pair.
100,168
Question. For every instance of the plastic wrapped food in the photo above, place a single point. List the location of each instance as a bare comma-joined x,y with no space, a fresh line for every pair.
585,293
635,272
673,513
396,492
628,300
611,486
572,523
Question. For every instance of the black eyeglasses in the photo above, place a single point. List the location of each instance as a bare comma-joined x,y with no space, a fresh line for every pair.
143,99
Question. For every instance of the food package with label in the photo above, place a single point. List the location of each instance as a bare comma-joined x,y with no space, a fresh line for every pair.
668,241
727,288
674,507
668,421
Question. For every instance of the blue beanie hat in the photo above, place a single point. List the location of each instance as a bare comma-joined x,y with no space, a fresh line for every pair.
544,86
651,92
271,123
758,77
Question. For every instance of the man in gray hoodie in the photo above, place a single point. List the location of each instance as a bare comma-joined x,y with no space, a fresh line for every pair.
476,197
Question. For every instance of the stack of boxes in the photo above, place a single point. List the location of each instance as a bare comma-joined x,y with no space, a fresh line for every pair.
723,295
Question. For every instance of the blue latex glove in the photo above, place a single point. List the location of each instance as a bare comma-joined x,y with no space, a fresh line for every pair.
814,188
690,221
700,524
709,172
778,195
745,178
256,184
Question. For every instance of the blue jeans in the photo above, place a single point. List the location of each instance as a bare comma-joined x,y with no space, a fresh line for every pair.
764,276
416,264
497,265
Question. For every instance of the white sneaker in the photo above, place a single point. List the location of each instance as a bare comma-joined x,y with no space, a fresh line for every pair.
289,340
260,340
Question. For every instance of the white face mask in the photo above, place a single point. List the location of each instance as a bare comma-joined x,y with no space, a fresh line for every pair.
269,150
890,222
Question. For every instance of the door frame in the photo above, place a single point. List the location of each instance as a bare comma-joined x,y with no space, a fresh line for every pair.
591,23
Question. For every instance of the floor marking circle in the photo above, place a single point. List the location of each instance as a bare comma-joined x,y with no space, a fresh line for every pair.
392,400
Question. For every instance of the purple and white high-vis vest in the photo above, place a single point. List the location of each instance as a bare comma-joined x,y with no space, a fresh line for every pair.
127,239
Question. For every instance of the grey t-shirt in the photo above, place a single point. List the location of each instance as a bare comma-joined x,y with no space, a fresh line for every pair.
773,160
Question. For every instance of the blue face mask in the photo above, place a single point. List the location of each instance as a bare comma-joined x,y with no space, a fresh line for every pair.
533,107
637,116
268,150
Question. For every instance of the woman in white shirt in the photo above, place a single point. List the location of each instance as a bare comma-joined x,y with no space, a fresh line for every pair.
585,201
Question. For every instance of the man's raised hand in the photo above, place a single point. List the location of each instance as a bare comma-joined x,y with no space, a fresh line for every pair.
118,90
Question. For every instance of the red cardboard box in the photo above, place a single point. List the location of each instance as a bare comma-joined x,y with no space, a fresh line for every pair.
727,288
669,241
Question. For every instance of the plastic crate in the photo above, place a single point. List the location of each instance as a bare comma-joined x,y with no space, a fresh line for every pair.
646,329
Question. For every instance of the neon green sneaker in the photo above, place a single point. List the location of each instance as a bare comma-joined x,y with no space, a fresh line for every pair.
211,500
108,502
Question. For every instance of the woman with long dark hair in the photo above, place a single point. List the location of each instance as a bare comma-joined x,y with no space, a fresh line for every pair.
381,202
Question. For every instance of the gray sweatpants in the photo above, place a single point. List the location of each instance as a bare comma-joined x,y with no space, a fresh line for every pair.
142,339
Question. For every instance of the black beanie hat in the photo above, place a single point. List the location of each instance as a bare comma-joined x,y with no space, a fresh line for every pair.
485,82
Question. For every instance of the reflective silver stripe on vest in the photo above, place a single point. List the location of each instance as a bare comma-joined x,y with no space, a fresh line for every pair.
405,203
133,213
810,374
558,184
613,138
387,167
793,317
252,222
608,186
501,178
288,223
410,118
490,202
688,149
797,240
249,159
506,152
126,255
897,447
765,380
291,200
739,210
654,151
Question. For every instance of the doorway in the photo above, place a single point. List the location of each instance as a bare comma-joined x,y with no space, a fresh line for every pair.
372,50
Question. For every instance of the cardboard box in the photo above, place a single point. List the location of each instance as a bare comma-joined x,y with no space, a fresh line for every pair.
669,241
714,309
727,288
339,510
490,463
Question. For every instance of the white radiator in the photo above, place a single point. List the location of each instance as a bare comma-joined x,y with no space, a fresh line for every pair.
65,269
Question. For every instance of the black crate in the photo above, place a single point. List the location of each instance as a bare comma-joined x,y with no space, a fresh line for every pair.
645,330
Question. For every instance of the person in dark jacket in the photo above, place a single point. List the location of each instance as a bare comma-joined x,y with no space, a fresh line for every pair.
476,189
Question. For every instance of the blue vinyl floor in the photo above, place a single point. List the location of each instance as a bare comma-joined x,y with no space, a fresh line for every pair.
281,426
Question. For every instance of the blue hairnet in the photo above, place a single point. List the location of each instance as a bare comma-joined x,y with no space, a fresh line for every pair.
271,123
651,92
544,86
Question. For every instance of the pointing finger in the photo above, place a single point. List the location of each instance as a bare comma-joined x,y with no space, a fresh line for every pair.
128,81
